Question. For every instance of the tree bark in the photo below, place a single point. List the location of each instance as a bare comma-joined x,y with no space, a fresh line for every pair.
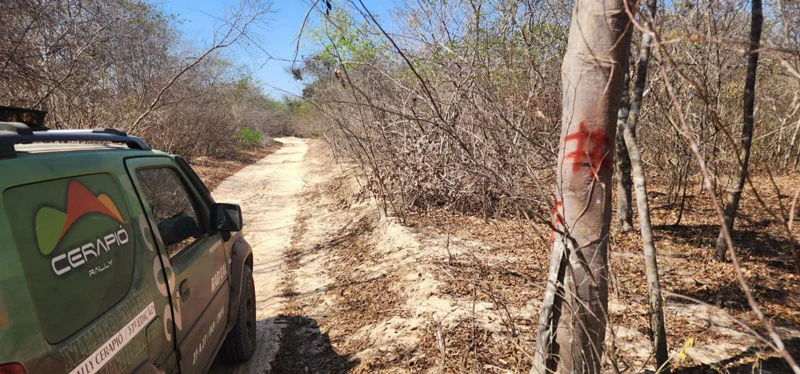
572,323
791,145
735,191
623,164
659,337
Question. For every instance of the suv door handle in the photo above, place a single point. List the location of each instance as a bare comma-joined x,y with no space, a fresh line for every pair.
184,289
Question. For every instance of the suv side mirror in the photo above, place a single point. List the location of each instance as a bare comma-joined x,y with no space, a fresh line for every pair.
226,217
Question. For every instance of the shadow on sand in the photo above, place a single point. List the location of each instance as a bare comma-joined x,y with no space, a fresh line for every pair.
750,364
306,349
755,241
302,348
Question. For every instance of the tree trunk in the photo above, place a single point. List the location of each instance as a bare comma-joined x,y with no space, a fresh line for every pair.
643,207
791,145
683,180
735,191
623,164
572,323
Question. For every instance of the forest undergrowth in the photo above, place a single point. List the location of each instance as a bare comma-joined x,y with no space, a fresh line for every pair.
509,272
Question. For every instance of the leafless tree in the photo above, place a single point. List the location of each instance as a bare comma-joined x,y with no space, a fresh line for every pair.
122,64
659,335
749,98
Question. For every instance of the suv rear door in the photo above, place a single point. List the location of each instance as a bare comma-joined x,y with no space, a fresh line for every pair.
195,257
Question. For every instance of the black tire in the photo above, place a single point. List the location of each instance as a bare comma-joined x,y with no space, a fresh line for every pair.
240,344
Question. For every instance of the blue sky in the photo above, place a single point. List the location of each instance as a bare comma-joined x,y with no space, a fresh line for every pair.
197,20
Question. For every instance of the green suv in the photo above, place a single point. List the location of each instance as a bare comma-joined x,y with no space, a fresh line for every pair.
115,257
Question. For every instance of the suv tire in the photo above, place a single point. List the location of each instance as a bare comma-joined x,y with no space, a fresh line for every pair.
240,344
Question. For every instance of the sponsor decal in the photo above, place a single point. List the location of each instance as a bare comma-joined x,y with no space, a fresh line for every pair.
77,246
209,333
97,333
214,248
82,254
218,277
99,269
106,352
163,288
52,225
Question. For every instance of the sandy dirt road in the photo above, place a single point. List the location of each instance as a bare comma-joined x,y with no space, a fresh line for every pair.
310,226
268,194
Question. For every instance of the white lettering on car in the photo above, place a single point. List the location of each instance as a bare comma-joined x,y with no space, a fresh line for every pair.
214,247
88,248
101,244
110,239
99,269
218,277
75,258
116,343
59,269
209,333
122,236
82,254
75,352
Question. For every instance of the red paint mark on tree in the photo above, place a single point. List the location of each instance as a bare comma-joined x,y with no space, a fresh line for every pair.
556,219
590,151
556,213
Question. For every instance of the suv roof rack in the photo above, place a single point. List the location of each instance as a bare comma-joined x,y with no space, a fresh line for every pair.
12,133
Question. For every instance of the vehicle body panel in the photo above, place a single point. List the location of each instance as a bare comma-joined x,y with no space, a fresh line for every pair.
140,330
22,337
198,279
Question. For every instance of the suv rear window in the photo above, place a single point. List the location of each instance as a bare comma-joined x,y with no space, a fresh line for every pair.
75,242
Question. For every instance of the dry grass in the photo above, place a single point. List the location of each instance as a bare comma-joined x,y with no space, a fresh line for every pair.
509,272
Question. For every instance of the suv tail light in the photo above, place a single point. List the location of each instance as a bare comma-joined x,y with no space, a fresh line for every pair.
11,369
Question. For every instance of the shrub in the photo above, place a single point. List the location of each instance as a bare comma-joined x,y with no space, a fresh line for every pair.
248,138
